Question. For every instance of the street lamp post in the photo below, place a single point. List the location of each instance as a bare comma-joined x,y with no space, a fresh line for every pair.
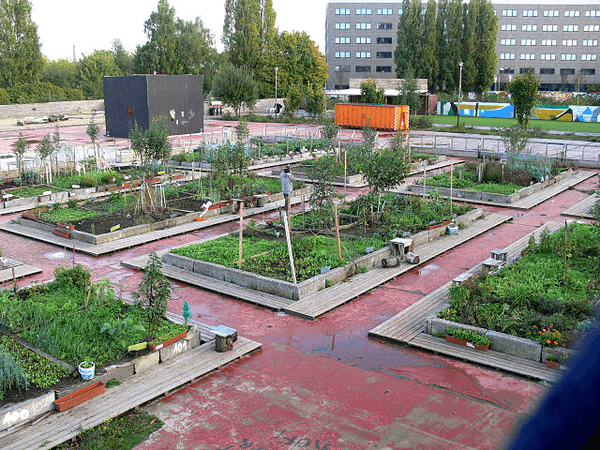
460,64
276,70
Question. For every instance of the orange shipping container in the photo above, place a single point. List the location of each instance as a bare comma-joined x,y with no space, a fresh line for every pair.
379,117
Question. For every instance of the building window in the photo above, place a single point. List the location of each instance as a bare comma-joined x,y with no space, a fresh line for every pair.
386,69
363,11
567,71
509,13
548,56
508,42
530,13
592,28
528,27
342,68
342,25
363,40
551,13
590,42
399,11
507,56
549,27
384,40
507,70
571,28
342,86
342,40
546,42
384,54
342,11
527,56
363,68
363,54
571,13
588,57
384,26
546,71
342,54
588,71
363,25
384,11
568,57
593,13
508,27
526,70
528,42
569,42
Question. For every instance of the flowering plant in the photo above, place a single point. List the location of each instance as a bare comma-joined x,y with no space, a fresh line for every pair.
558,358
548,337
469,336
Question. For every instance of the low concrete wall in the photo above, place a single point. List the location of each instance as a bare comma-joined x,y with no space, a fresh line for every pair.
25,411
45,109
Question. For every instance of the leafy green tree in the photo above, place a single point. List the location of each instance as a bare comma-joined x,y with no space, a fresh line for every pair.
293,99
153,294
409,93
524,96
19,148
61,73
123,59
93,69
21,60
328,134
93,130
315,100
484,56
370,93
153,143
385,169
410,45
159,53
235,87
430,63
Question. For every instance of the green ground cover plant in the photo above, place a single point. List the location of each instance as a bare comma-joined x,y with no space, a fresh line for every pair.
75,320
90,179
311,254
468,335
546,296
120,433
32,191
71,212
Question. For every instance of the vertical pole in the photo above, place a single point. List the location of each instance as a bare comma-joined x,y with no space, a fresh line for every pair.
289,245
337,230
241,234
345,170
424,179
451,183
303,208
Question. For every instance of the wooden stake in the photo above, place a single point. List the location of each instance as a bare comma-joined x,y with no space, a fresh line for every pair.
345,169
241,234
289,245
337,230
451,183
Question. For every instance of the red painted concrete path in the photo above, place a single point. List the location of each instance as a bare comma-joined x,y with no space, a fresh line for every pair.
324,384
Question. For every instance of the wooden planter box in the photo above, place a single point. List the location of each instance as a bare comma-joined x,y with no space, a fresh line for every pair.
465,343
80,396
180,336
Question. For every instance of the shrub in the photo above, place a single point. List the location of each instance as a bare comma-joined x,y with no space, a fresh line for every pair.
30,177
4,97
78,276
420,122
87,181
468,335
12,375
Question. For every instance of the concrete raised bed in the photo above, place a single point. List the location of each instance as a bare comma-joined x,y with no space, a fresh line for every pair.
298,291
491,197
501,342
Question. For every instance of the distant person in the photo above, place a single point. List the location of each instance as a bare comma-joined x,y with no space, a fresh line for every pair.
287,185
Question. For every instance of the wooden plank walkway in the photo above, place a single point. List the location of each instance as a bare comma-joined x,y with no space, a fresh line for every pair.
132,392
212,284
21,271
407,326
325,300
583,209
531,200
140,239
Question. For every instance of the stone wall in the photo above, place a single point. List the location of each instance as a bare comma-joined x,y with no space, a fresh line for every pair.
44,109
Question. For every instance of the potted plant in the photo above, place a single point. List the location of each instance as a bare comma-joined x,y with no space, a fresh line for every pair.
452,228
554,361
468,338
87,370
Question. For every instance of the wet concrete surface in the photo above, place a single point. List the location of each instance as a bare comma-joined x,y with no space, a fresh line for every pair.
325,384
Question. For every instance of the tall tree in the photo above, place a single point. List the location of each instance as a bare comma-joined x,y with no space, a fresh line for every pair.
61,73
485,57
21,60
470,13
236,87
524,96
123,59
409,48
93,69
430,64
248,31
159,53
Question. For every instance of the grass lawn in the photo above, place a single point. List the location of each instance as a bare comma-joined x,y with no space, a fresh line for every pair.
573,127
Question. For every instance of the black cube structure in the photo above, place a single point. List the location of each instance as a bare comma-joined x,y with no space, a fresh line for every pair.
140,98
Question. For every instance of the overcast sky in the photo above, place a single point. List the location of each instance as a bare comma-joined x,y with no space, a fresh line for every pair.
91,26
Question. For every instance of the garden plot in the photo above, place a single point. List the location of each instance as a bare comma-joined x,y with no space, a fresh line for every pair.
500,184
319,262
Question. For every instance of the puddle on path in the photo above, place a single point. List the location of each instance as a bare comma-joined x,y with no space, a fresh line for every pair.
53,256
428,269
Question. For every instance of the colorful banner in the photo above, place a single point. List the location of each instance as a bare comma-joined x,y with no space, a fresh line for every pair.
569,113
479,109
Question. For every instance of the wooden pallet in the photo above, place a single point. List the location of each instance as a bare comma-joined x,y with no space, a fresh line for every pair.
325,300
583,209
132,392
140,239
409,324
